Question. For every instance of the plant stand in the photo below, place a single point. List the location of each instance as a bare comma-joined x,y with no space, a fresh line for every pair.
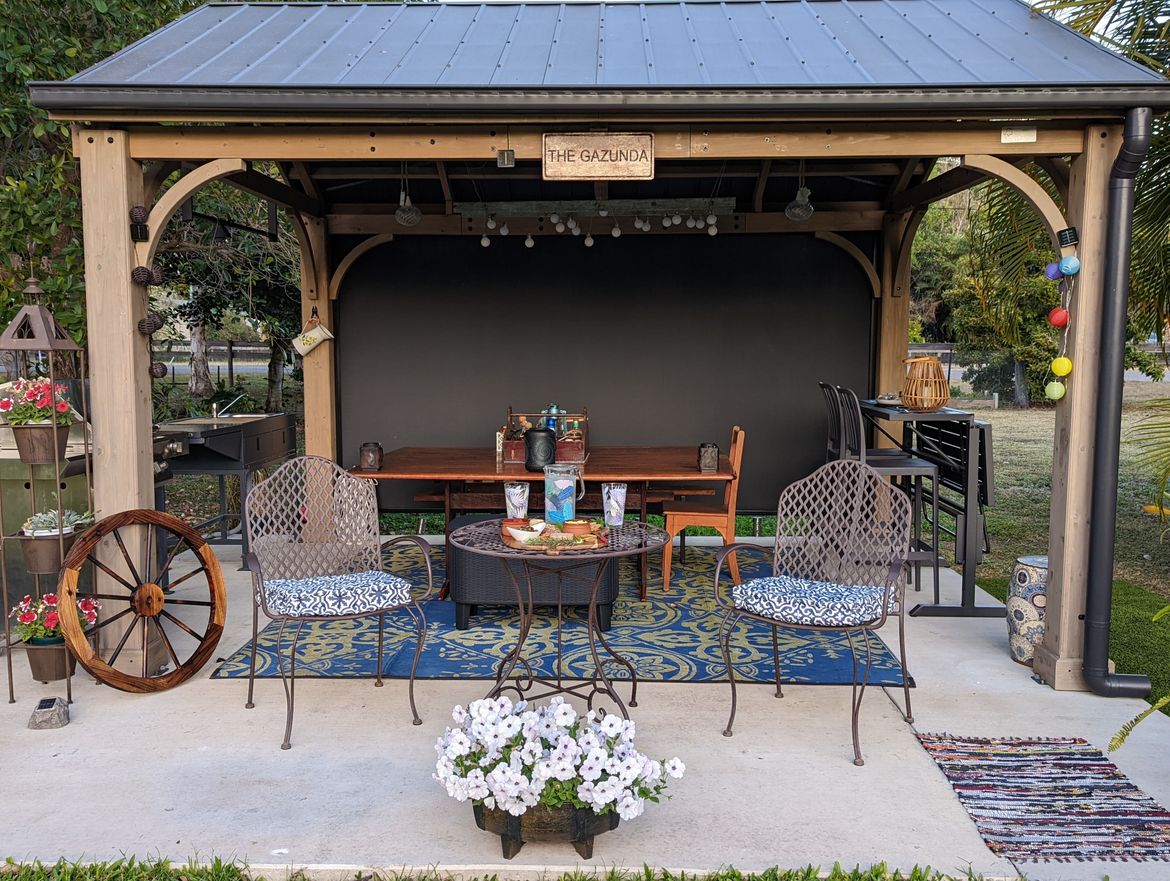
42,448
577,826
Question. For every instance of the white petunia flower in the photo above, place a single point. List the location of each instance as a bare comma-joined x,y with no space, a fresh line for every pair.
675,768
611,725
459,714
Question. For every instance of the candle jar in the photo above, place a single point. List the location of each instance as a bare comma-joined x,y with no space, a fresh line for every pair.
370,456
708,458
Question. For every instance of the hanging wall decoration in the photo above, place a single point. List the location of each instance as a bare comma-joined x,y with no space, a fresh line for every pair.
1064,272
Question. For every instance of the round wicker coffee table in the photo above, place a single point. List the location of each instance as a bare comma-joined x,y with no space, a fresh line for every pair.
628,540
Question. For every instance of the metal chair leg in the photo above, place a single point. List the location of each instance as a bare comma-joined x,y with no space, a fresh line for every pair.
289,682
420,619
916,508
682,547
776,659
381,632
859,693
934,534
252,664
725,629
908,715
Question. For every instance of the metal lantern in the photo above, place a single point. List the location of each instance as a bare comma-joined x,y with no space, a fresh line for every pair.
151,323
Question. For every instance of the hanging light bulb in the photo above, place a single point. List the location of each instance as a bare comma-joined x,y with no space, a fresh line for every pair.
529,241
616,232
576,230
691,222
800,209
665,221
560,227
491,222
589,240
504,229
571,222
712,230
603,212
712,219
676,219
484,240
554,217
700,223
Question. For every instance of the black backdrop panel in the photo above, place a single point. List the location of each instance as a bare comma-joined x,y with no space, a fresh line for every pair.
668,340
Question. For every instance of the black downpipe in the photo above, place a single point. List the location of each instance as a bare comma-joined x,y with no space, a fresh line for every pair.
1107,436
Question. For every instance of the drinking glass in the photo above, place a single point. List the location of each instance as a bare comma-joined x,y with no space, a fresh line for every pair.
516,498
613,500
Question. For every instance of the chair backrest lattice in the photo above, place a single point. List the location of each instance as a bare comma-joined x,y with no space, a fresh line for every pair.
842,524
311,519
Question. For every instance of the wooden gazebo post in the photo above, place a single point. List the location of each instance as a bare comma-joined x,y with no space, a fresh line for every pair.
119,356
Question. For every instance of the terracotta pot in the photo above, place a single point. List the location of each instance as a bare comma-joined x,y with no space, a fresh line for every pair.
36,444
43,553
541,823
49,659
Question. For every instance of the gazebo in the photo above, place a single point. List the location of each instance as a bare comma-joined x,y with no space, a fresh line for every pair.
494,117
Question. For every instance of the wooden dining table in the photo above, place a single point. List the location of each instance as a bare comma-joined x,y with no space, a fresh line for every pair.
464,472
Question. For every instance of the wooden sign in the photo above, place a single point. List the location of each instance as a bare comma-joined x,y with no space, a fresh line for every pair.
598,156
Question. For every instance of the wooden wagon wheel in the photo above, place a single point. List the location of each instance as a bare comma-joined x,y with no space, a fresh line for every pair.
184,603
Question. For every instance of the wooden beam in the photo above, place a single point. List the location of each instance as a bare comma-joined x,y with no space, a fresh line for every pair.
273,190
119,356
761,185
448,201
301,170
1027,187
178,193
156,175
893,341
902,181
1059,657
480,143
338,274
1058,171
858,256
768,222
946,184
320,378
664,170
601,190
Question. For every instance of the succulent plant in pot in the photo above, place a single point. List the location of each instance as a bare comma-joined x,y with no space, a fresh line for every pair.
47,536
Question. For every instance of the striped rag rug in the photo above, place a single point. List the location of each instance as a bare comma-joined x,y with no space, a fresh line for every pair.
1052,799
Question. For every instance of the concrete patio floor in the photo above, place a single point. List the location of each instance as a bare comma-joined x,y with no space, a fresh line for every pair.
190,773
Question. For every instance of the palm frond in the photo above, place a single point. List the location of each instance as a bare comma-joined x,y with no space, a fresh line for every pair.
1126,730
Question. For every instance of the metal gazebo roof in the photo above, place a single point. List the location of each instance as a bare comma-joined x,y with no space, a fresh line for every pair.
774,55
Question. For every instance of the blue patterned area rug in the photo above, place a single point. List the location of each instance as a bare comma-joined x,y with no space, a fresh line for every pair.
669,638
1051,799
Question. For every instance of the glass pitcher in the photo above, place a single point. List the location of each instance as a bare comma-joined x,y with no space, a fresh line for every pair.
560,493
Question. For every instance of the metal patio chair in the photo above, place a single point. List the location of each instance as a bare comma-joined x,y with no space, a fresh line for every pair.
842,542
316,555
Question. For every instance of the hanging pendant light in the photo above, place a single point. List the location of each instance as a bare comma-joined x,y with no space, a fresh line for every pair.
800,209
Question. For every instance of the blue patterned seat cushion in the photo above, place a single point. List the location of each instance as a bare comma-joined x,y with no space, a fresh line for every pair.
815,603
354,593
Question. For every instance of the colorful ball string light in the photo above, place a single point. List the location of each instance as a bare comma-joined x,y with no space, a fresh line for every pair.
1063,271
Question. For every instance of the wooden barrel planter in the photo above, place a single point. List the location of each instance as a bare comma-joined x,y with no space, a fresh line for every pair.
542,823
41,443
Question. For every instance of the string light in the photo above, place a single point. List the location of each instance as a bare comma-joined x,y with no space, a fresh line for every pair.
700,223
616,232
504,229
589,240
712,230
665,221
560,226
554,217
491,222
485,241
676,219
691,222
529,241
712,220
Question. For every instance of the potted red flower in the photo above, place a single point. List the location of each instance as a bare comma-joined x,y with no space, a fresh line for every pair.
38,624
39,417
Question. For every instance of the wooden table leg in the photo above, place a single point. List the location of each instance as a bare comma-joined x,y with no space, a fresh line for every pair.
644,565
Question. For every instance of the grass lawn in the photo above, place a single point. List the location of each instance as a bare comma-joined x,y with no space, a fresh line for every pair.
217,870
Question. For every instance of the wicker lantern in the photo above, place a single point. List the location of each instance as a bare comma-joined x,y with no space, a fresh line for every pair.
926,387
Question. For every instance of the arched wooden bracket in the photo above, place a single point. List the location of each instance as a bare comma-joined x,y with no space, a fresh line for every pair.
857,254
1028,188
351,258
178,193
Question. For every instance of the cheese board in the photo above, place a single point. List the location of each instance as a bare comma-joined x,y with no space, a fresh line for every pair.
585,535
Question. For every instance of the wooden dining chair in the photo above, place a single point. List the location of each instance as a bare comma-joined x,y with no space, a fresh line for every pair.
718,514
